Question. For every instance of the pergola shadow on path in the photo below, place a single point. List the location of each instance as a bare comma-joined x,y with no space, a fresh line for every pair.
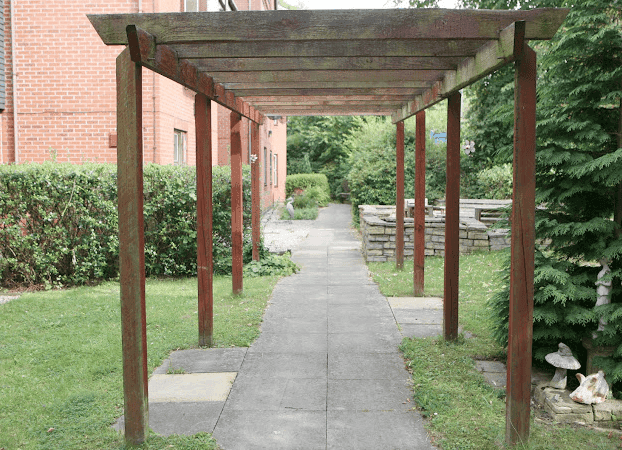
343,62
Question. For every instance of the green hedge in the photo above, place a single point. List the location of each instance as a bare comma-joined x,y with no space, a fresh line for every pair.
305,181
59,223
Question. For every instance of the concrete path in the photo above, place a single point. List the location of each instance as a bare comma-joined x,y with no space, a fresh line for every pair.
326,372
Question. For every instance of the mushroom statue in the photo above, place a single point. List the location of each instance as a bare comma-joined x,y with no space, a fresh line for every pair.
563,360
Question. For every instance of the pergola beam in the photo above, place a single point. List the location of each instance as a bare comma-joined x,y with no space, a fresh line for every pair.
490,57
305,25
280,64
163,60
342,48
327,84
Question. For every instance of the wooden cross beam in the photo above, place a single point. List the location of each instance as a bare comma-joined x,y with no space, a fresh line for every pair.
163,60
492,56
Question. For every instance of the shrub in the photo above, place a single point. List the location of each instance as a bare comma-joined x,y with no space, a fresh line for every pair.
304,181
496,182
373,170
60,223
271,265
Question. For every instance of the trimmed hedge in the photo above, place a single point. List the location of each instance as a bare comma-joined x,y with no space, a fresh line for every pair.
59,223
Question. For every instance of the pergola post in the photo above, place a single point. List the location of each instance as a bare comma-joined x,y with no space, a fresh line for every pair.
255,189
132,247
522,248
452,219
399,200
236,202
419,233
205,263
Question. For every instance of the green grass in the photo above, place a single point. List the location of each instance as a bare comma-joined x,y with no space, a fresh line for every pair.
465,412
61,365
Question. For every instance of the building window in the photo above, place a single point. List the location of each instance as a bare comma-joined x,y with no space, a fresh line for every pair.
265,166
180,142
191,5
270,167
275,168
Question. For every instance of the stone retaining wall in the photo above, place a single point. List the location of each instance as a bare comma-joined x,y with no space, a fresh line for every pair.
377,225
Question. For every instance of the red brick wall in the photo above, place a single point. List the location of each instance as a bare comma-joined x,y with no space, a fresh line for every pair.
66,92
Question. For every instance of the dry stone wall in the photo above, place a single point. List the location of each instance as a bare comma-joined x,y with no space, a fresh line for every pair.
377,224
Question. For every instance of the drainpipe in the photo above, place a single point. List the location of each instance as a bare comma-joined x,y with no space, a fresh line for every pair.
14,80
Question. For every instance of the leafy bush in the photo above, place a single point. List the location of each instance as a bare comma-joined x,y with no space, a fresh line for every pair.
60,222
496,182
373,170
280,265
318,195
303,201
305,181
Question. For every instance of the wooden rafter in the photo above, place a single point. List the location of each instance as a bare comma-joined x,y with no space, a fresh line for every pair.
420,55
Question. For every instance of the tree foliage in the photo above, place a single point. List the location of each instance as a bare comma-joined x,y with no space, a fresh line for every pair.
318,145
578,180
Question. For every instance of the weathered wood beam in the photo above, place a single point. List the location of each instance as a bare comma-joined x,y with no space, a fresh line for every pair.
399,197
131,247
275,92
237,238
419,232
325,110
255,190
347,112
490,57
329,85
343,48
164,61
303,102
328,76
522,249
452,220
205,263
214,65
303,25
267,100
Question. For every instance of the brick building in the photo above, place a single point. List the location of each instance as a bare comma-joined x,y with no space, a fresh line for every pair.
59,101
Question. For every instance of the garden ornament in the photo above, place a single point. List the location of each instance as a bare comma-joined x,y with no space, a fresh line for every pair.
603,290
563,360
290,207
593,389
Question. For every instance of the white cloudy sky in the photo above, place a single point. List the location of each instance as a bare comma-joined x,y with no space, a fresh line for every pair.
357,4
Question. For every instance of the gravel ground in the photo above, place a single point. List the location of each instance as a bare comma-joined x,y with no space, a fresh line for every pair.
283,235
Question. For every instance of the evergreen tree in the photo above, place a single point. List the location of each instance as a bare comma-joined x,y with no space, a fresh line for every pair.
579,184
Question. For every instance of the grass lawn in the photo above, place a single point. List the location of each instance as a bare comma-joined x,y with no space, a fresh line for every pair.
61,365
463,411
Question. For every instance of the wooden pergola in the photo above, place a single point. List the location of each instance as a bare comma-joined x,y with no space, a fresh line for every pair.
342,62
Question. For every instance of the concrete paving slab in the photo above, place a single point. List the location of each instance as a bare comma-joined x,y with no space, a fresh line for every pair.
183,418
372,323
418,316
310,309
345,343
295,325
374,307
368,395
204,360
290,343
374,430
271,430
420,331
190,387
274,394
416,302
284,365
366,366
